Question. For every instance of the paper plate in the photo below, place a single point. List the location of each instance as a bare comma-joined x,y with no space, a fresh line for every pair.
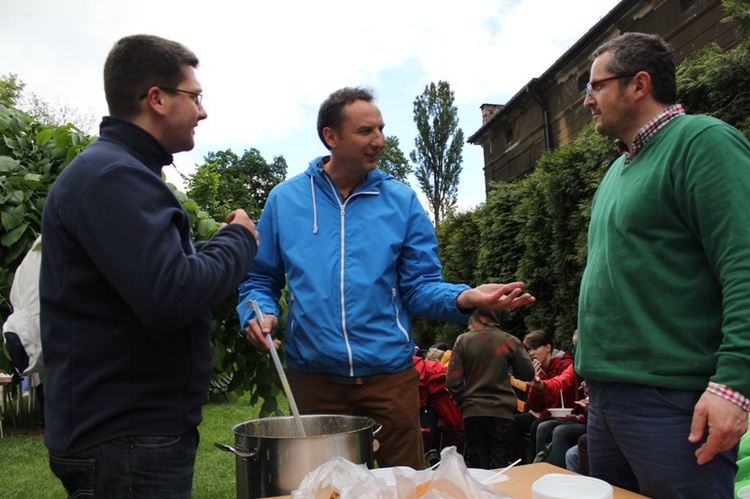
559,486
481,475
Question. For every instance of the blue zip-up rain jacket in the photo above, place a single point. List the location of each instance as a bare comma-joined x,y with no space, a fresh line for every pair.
356,269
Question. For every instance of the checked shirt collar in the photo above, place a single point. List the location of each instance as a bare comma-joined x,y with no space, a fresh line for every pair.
648,131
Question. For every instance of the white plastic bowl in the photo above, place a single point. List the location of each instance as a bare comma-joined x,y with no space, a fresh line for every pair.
560,486
559,412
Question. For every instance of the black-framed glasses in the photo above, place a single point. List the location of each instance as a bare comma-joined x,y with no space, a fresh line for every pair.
197,98
596,85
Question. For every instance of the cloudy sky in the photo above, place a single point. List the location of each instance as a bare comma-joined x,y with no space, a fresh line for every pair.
267,65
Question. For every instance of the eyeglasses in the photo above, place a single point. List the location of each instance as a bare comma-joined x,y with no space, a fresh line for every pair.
197,98
596,85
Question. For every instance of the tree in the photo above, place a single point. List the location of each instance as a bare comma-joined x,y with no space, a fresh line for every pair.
11,89
226,181
716,82
439,144
739,12
392,161
44,112
12,96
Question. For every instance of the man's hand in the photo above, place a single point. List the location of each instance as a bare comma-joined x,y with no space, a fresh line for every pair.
257,336
495,296
240,217
726,423
537,384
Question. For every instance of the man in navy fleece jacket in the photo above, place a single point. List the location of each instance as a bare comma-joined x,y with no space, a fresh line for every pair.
125,294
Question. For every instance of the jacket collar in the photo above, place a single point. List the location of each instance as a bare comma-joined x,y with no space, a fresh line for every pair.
371,183
141,143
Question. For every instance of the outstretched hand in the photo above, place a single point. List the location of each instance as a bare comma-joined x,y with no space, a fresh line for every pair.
495,297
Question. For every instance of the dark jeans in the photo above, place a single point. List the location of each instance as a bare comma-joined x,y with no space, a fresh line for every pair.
489,442
563,438
526,424
545,430
134,467
638,440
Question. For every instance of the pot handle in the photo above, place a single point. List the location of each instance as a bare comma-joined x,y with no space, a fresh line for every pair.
375,442
232,450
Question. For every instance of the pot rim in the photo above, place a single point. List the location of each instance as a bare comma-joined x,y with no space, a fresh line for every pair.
371,423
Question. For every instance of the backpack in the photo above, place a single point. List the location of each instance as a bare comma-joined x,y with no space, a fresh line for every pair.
21,330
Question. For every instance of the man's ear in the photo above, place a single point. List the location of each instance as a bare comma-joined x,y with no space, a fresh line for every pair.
642,83
330,137
155,101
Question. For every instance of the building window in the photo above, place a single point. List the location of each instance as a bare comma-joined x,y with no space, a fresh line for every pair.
508,135
686,4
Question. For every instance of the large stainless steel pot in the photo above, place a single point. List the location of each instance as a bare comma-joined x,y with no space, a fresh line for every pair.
272,459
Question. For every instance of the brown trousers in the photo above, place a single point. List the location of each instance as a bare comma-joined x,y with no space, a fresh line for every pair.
391,400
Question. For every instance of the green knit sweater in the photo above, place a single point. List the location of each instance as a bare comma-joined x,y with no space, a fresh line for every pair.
665,297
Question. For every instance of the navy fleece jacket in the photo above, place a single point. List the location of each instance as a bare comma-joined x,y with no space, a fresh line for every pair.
125,296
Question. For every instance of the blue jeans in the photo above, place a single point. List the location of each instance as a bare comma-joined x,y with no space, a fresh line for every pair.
135,466
564,437
638,440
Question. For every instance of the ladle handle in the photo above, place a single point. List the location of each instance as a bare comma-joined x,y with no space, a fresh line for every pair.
286,387
280,370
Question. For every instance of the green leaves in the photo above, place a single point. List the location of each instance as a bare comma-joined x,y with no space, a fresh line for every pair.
532,229
32,154
223,183
227,181
717,83
392,161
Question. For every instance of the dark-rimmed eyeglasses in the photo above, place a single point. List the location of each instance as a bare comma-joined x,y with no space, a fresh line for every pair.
197,97
596,85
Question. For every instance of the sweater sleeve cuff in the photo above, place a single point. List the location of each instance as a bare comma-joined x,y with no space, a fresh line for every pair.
727,393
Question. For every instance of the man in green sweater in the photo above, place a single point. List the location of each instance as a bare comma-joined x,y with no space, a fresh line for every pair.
664,309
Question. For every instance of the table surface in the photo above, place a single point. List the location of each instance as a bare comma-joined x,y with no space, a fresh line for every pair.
521,477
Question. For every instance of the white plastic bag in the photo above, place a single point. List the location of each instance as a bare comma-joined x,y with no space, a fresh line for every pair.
342,477
451,480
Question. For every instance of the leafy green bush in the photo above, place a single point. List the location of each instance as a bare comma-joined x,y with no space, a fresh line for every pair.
532,229
32,155
535,228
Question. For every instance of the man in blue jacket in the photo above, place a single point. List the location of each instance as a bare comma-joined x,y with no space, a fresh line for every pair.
359,255
125,294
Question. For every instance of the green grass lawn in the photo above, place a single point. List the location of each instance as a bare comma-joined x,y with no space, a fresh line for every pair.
25,473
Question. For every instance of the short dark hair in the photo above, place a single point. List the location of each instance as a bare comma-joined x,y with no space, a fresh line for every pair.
634,52
331,113
538,338
137,63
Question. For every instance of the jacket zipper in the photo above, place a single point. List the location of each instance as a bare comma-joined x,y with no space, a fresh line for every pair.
342,249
